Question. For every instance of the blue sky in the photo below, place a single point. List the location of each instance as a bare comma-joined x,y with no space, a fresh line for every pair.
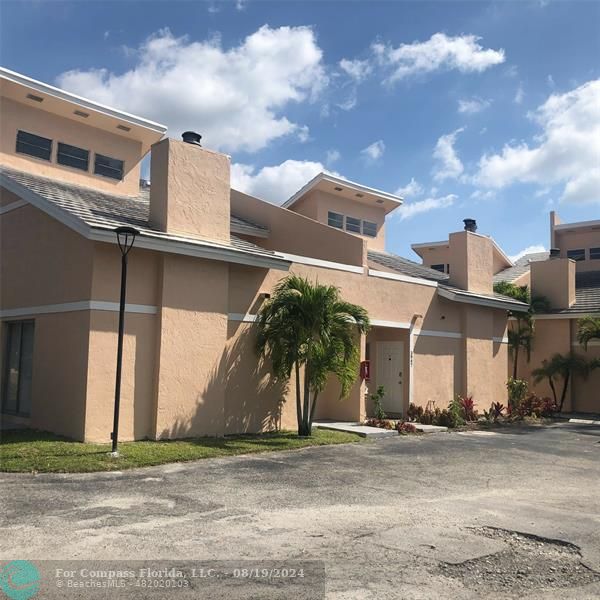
470,109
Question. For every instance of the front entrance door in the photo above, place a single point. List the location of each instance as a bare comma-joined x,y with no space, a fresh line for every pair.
390,367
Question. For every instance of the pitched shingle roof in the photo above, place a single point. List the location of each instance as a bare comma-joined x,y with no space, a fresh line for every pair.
587,294
520,268
405,266
105,210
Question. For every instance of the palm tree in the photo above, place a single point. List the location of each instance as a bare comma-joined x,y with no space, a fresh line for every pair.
310,326
561,366
588,329
521,337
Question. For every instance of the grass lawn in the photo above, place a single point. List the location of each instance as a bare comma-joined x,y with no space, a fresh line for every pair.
34,451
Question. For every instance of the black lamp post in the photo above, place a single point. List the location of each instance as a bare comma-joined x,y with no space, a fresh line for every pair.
125,239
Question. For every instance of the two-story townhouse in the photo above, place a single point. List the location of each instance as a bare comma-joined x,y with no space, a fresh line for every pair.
205,259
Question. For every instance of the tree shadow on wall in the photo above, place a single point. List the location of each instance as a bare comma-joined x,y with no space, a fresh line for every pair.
241,394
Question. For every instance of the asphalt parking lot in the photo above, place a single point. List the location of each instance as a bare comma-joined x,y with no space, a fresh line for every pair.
503,514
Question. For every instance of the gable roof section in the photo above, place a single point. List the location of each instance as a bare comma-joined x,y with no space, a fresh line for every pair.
329,183
407,267
520,268
95,215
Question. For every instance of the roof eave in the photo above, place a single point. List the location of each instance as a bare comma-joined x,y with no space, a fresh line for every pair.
479,300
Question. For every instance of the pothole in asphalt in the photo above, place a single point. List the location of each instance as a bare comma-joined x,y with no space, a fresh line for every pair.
528,563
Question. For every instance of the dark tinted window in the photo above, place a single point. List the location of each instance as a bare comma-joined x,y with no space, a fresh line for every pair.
369,228
440,268
17,368
576,254
594,253
109,167
335,220
71,156
34,145
353,224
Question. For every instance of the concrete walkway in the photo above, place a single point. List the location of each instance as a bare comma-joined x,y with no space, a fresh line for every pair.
365,431
373,432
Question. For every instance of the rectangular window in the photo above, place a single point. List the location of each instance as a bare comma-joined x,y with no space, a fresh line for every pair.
369,228
71,156
594,253
108,167
17,368
34,145
353,225
440,268
576,254
335,220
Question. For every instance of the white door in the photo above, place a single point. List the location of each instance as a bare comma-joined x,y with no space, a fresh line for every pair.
390,367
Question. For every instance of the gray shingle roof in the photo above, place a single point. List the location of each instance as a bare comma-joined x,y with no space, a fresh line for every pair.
520,268
587,294
405,266
408,267
101,209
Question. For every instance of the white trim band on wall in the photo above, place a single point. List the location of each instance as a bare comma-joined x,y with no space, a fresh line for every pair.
445,334
242,317
48,309
319,262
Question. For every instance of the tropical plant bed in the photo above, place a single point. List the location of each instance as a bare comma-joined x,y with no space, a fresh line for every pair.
28,451
402,427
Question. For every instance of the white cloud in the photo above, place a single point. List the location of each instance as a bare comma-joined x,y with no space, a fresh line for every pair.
276,183
411,209
449,164
440,52
528,250
566,152
332,156
234,97
349,103
519,94
411,189
240,5
483,195
356,69
471,106
374,151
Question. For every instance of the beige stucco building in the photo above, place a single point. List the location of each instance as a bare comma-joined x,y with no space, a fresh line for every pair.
569,278
206,258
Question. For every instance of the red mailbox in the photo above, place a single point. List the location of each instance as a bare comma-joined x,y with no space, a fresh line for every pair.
365,370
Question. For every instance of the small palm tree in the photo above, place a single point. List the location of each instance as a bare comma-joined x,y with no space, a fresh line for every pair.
310,326
588,329
561,366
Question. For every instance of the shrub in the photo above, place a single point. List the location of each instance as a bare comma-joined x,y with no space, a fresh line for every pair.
381,423
467,408
455,410
517,390
534,406
376,398
414,412
404,428
496,410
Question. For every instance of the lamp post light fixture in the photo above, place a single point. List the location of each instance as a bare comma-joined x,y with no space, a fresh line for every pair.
125,238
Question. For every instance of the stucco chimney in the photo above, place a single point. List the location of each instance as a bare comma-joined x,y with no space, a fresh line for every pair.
471,261
190,190
555,280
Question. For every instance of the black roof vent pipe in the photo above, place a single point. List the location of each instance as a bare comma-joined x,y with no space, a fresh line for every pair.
470,225
191,137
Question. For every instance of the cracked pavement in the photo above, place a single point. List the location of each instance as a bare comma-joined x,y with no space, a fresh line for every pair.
383,515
